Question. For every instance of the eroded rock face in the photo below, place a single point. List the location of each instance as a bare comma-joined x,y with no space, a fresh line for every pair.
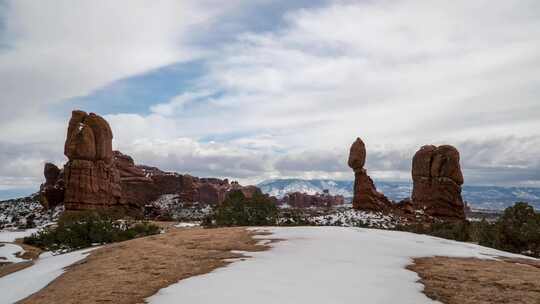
357,155
437,180
96,177
137,187
92,180
52,191
366,196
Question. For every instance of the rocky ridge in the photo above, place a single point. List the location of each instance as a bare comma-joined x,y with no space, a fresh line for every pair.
96,177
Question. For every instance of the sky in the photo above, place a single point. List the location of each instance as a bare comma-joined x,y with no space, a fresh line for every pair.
251,90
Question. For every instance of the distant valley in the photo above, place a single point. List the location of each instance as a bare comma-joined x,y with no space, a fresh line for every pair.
480,197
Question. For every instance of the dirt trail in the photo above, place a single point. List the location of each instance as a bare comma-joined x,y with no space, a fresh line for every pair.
131,271
474,281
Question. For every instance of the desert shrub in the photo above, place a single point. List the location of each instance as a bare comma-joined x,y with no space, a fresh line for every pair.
484,233
80,230
518,230
458,230
293,217
237,210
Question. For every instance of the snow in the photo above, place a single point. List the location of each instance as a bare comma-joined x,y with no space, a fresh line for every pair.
323,265
23,283
7,236
8,253
187,225
171,205
280,187
348,217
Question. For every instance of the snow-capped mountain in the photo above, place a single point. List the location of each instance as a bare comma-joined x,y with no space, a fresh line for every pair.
484,197
280,187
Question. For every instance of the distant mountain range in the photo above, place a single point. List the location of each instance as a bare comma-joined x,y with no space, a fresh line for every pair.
481,197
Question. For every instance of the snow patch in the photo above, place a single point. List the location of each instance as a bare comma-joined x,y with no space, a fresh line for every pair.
8,253
9,236
23,283
324,265
187,225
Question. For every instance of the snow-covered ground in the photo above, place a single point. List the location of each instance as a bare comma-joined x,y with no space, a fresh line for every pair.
8,253
23,283
323,265
187,225
9,236
171,205
348,217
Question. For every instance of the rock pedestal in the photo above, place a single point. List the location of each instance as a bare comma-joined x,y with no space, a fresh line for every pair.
437,180
92,180
366,196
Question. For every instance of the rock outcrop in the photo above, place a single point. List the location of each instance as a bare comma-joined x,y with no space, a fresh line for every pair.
437,180
366,196
52,191
92,180
96,177
304,200
137,187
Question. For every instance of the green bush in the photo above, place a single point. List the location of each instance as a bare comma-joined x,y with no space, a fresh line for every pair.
80,230
237,210
458,231
518,230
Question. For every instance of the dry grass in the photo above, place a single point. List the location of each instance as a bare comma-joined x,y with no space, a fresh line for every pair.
474,281
131,271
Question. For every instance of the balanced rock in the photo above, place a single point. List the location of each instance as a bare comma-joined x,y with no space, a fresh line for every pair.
366,196
92,180
437,180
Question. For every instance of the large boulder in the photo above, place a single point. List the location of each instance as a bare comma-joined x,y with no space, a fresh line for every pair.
366,196
357,155
437,180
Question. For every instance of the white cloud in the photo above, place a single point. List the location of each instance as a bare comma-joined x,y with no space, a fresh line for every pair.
57,50
400,74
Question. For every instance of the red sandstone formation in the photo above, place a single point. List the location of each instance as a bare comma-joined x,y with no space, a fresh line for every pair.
92,180
366,196
52,191
137,188
304,200
96,177
437,181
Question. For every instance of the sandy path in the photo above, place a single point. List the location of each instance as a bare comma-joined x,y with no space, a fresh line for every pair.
131,271
474,281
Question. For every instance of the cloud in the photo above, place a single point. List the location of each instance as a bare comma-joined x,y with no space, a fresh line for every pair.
21,165
288,101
